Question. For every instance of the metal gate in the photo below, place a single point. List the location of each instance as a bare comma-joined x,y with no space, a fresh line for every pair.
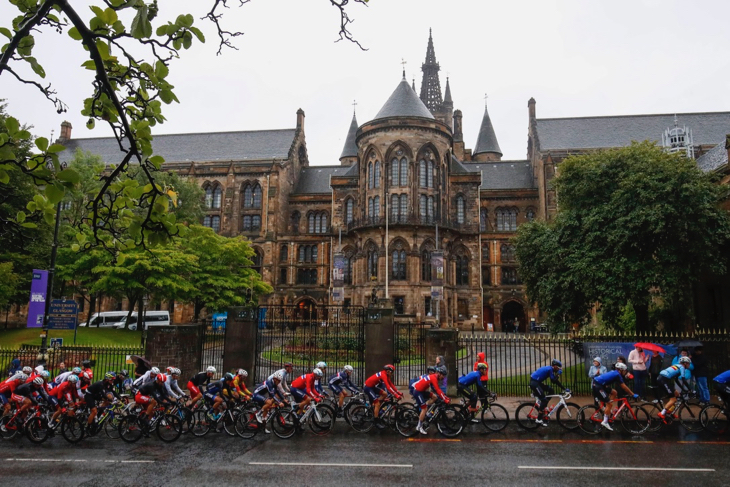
409,352
307,335
212,347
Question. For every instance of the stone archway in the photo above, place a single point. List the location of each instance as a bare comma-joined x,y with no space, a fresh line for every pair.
512,310
305,311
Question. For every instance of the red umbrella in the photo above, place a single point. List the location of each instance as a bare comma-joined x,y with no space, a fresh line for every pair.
651,347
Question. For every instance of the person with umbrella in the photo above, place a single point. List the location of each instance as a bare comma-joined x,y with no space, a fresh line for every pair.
655,367
637,359
143,365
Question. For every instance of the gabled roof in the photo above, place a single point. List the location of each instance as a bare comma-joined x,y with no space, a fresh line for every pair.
714,159
487,139
350,148
404,102
316,179
198,147
619,131
504,174
353,171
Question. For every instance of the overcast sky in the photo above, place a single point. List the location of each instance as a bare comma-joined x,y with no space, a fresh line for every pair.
576,58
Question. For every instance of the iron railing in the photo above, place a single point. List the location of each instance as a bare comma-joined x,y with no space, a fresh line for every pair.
213,345
409,351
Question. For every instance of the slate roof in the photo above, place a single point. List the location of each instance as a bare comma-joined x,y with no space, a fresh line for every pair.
619,131
316,179
503,174
404,102
487,139
714,159
350,148
198,147
353,170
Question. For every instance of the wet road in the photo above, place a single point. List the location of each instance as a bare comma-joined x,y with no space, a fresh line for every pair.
515,457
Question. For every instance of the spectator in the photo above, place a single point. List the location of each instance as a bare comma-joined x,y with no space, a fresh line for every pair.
637,359
699,360
62,367
15,366
683,353
655,366
440,362
596,369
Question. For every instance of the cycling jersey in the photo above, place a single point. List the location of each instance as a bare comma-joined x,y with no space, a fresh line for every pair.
196,381
608,378
151,390
146,378
10,384
723,378
544,372
673,372
304,385
422,385
173,389
62,377
96,392
65,391
283,386
381,378
224,388
28,390
340,380
267,388
473,379
240,387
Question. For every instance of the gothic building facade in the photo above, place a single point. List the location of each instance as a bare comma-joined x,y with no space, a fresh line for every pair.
406,189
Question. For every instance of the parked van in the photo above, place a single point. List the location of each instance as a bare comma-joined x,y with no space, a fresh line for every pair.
151,318
106,319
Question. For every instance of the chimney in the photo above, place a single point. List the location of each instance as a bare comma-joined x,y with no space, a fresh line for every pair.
300,119
65,131
531,108
458,134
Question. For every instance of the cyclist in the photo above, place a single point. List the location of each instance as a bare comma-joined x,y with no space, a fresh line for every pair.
196,381
7,388
63,377
465,383
25,394
604,393
36,373
422,394
318,383
66,394
101,391
121,381
342,380
675,374
146,378
537,379
270,388
239,385
375,391
722,386
151,394
286,372
303,389
171,385
217,392
86,367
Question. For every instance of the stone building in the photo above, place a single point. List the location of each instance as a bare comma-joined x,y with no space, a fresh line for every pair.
406,188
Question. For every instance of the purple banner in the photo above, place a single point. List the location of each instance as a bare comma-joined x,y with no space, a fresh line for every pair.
37,304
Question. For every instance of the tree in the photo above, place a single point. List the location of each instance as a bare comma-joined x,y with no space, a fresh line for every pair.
635,226
131,60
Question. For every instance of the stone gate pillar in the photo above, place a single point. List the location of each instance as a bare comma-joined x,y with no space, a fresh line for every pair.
444,341
378,339
240,342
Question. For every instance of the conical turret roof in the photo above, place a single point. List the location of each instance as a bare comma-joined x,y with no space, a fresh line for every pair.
350,148
404,102
487,140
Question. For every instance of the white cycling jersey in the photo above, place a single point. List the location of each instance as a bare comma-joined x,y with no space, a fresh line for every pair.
173,389
144,379
283,386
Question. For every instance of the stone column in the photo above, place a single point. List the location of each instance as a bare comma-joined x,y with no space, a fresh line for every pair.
240,342
378,339
177,346
444,341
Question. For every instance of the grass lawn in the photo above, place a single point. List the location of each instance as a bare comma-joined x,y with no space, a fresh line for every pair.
518,383
85,336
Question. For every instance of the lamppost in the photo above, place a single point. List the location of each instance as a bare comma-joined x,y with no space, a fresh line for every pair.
142,319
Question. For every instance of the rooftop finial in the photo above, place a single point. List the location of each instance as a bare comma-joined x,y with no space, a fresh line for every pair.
485,100
676,122
354,104
404,62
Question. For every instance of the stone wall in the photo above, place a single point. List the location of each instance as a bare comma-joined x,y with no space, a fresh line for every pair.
177,346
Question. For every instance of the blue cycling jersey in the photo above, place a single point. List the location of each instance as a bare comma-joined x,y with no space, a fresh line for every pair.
673,372
343,379
544,372
470,379
723,378
609,378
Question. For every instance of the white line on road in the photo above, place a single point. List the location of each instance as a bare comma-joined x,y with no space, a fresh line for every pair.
659,469
392,465
74,461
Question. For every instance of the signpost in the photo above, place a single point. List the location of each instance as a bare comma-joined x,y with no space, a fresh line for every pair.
62,314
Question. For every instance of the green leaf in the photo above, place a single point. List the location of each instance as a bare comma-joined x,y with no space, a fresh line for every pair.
109,16
69,175
4,177
20,217
6,32
54,193
11,123
141,26
161,71
90,64
157,161
56,148
184,20
103,48
90,123
25,46
74,34
75,247
28,225
198,34
37,68
41,143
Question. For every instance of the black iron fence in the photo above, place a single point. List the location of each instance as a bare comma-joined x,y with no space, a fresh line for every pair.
102,358
213,346
305,336
512,358
409,351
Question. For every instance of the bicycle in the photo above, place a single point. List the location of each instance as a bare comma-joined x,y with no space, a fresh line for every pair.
167,426
634,420
566,413
362,415
319,417
494,416
204,421
686,413
448,419
714,418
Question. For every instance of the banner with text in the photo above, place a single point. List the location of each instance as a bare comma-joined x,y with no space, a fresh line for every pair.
610,352
37,304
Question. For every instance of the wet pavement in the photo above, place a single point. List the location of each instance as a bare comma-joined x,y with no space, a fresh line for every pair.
549,456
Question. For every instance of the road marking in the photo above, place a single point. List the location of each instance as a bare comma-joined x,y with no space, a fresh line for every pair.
297,464
428,440
528,441
653,469
612,441
55,460
704,442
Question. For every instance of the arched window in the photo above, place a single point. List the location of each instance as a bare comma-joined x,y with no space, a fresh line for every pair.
371,177
317,222
373,264
422,174
506,219
426,265
422,207
377,174
509,275
256,222
209,197
483,219
217,197
394,207
256,198
371,208
508,253
460,209
206,221
403,207
462,270
394,172
308,254
257,260
429,178
247,196
376,206
295,218
513,219
349,207
399,265
215,223
404,172
431,212
485,252
283,253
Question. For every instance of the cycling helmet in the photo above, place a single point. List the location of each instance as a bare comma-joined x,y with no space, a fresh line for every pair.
39,369
482,366
389,368
442,370
621,366
85,375
684,360
278,376
154,371
45,374
242,373
288,364
161,377
38,381
76,370
27,370
170,370
176,371
317,372
431,369
123,373
321,365
228,376
348,368
556,362
210,370
110,375
73,379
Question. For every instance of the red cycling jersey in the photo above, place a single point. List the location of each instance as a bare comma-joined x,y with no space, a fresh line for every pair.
382,378
422,385
65,390
306,381
9,385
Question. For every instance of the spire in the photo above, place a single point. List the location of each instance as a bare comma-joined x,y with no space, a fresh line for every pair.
447,93
430,85
414,84
350,148
487,140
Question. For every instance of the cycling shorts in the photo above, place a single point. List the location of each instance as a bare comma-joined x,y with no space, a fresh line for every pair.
17,399
336,389
210,396
299,395
5,397
601,394
193,389
142,400
259,399
666,387
52,401
373,392
91,400
421,398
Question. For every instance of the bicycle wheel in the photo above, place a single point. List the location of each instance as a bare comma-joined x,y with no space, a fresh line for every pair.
589,419
169,428
229,421
8,429
201,423
388,416
450,422
284,424
568,416
361,418
714,419
406,422
72,429
186,416
348,407
130,429
526,415
37,430
495,417
637,422
322,420
655,422
689,417
111,426
246,425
